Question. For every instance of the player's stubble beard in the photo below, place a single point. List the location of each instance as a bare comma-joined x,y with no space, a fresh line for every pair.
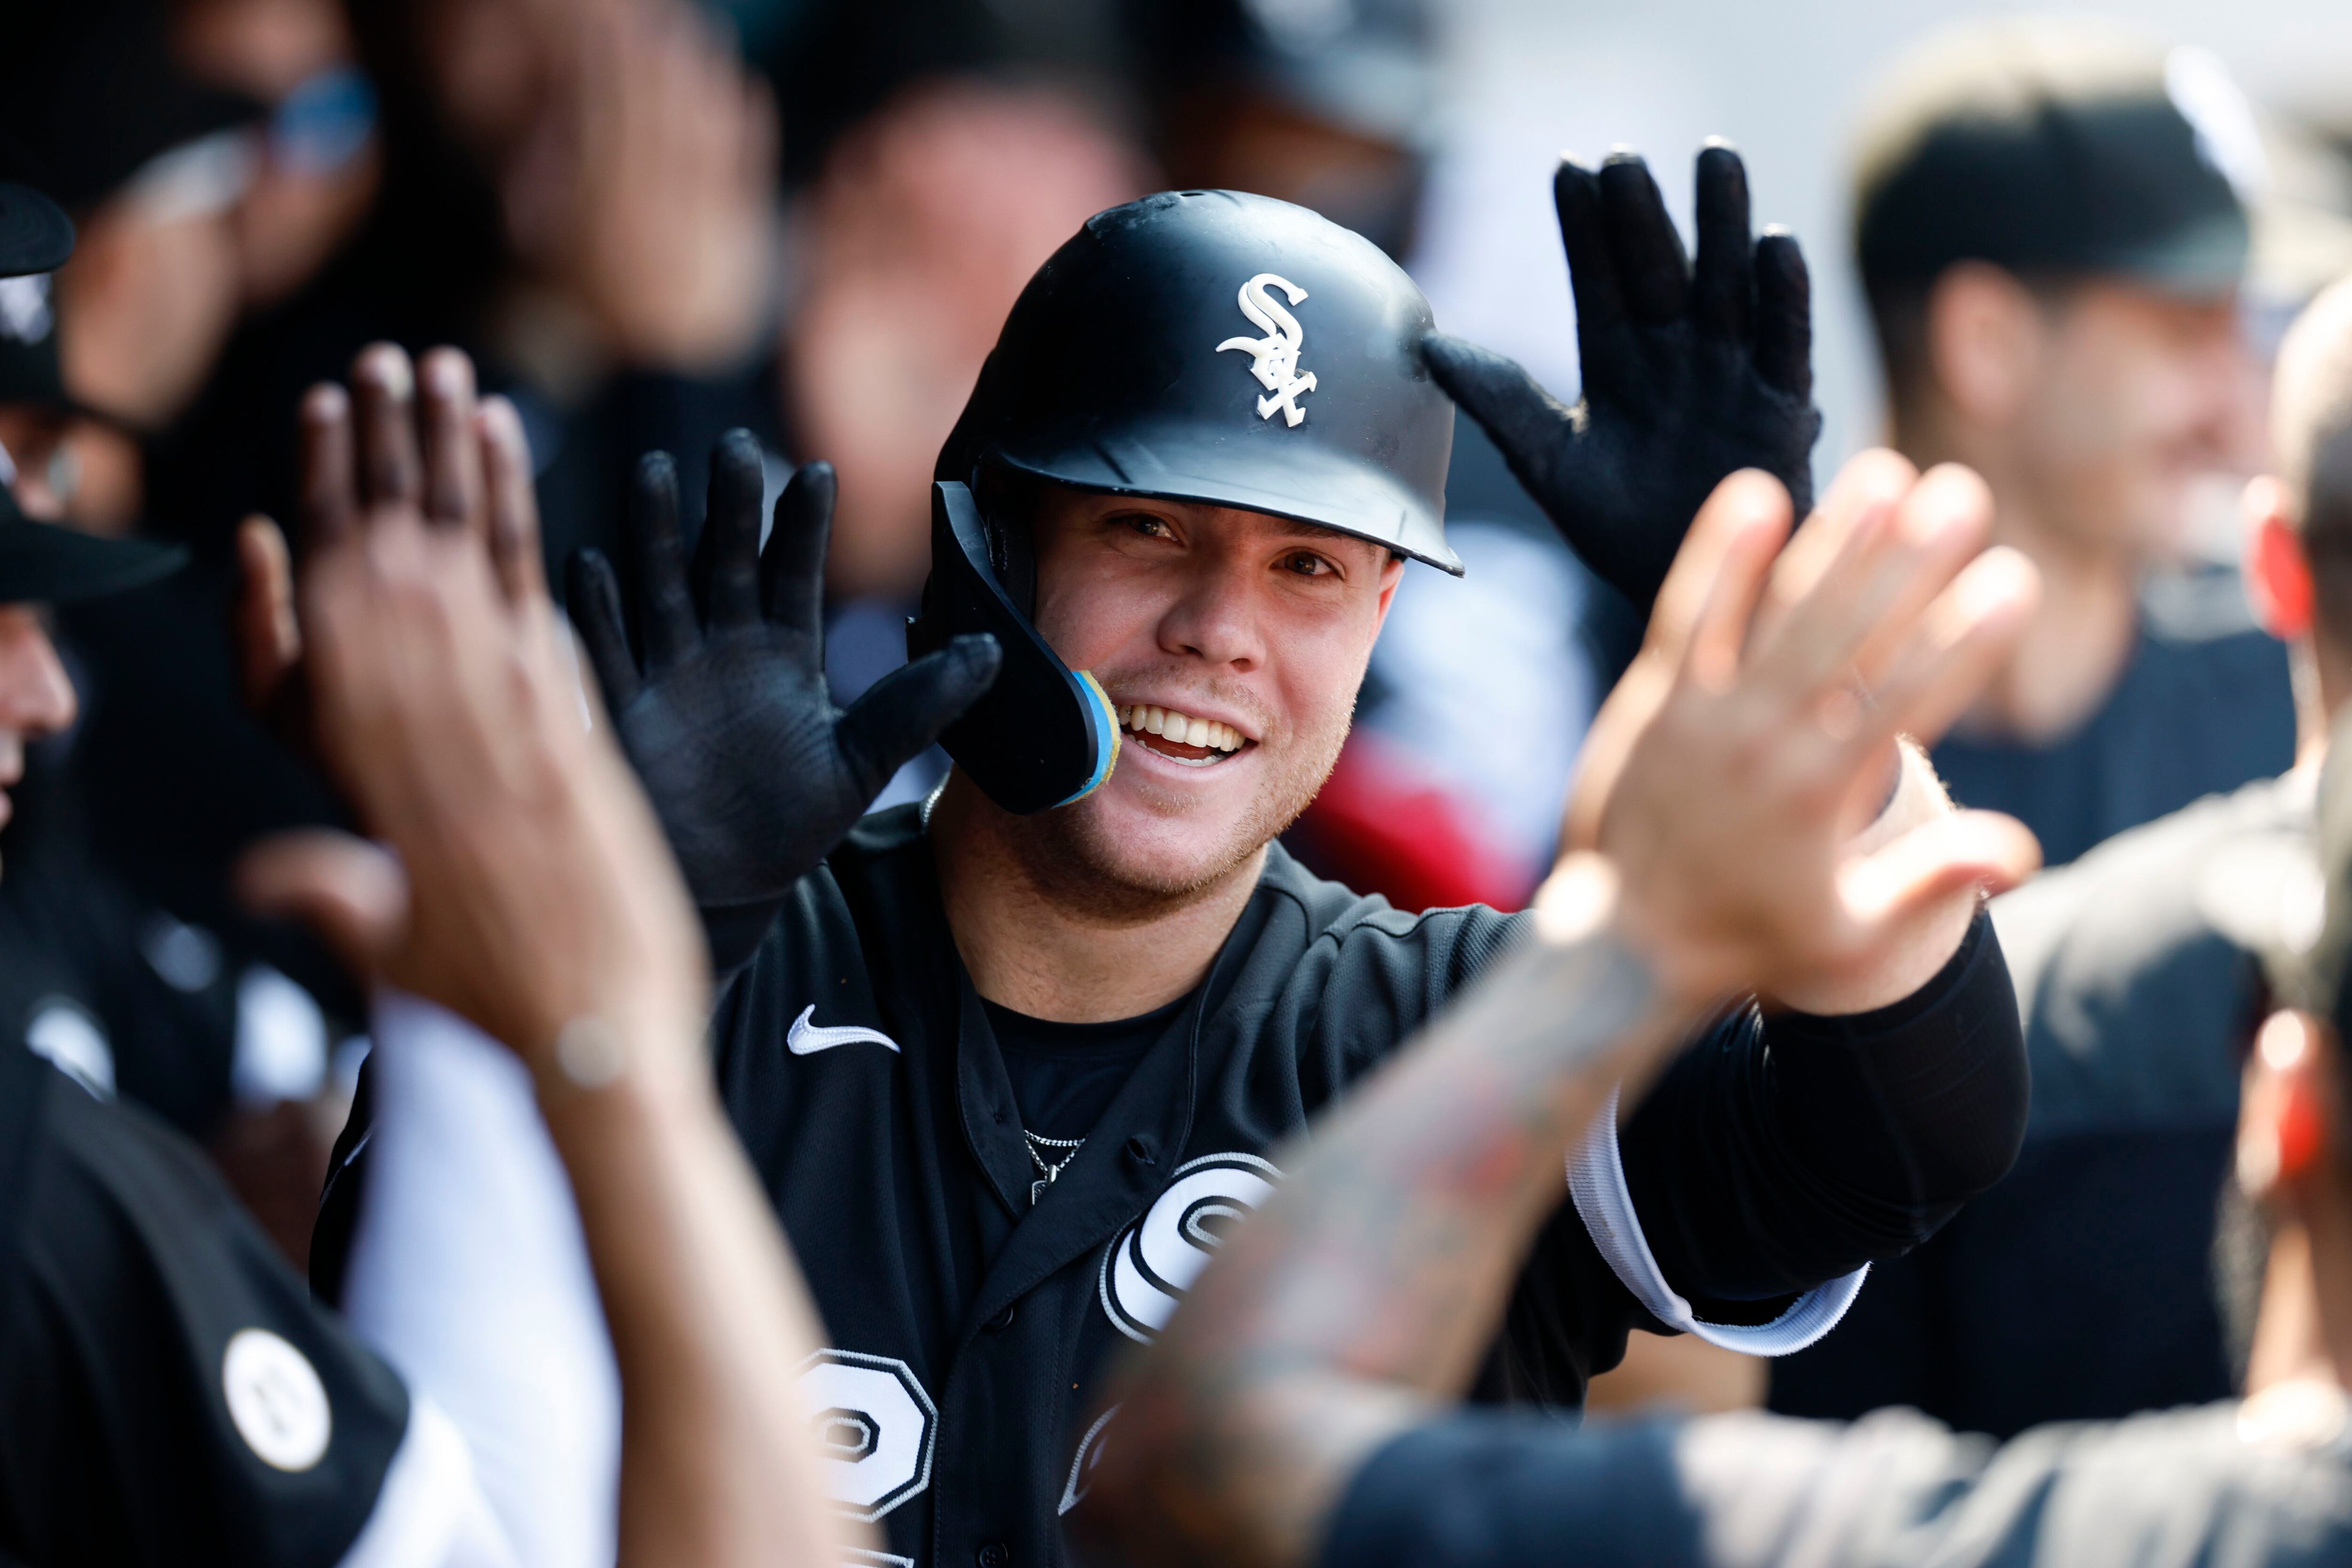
1076,860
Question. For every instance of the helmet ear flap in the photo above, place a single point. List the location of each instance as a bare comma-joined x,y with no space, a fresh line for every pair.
1007,502
1043,735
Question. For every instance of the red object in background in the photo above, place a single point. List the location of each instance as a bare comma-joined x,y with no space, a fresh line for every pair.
1382,825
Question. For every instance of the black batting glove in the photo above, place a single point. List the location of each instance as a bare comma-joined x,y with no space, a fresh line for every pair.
1689,374
726,716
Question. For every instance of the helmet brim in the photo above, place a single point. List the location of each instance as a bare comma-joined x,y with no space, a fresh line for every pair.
1178,461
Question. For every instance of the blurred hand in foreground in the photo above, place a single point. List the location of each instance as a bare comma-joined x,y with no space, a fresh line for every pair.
1689,372
1737,776
519,878
727,714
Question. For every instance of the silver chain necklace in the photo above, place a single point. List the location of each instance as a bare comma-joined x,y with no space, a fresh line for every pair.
1048,1170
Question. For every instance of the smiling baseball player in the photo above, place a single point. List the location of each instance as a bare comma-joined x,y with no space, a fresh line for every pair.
1007,1061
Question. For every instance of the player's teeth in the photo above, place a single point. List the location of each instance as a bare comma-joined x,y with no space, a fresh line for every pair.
1181,728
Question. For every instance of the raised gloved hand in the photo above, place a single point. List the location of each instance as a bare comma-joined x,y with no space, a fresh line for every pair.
727,716
1689,374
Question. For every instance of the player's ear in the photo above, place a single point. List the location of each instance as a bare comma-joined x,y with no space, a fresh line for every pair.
1984,341
2277,569
2286,1128
1392,574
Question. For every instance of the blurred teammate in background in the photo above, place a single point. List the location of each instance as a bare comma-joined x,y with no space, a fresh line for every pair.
2088,1283
2053,247
583,194
199,190
2051,242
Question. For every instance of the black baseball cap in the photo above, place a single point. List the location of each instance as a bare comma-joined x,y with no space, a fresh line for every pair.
36,236
2056,146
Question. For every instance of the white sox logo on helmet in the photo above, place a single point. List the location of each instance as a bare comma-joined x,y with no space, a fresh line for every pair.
1274,358
1149,1265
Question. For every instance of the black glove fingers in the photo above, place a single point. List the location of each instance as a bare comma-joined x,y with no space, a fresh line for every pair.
1591,270
592,595
666,616
1529,426
792,569
1652,268
1724,280
727,556
904,711
1784,315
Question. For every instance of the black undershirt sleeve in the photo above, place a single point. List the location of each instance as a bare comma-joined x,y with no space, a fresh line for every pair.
1500,1489
1484,1489
1781,1152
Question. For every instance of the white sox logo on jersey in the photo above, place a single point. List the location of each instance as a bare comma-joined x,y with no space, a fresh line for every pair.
1274,358
875,1425
1149,1265
277,1401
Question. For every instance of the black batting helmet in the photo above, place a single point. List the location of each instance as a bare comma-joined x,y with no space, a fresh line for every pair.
1206,346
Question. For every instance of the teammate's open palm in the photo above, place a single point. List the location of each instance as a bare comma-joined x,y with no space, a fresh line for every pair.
528,884
1690,371
1727,773
724,707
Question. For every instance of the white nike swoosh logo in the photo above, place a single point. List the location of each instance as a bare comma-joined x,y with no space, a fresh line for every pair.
804,1038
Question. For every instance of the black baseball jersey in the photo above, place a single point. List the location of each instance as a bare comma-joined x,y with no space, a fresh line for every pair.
969,1329
168,1392
2183,1490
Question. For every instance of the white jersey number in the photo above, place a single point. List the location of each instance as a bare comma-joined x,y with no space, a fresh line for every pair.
875,1425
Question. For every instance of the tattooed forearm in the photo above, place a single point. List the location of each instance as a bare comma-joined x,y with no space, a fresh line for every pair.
1371,1284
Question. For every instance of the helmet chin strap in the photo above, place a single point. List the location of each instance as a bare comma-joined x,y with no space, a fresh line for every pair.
1043,735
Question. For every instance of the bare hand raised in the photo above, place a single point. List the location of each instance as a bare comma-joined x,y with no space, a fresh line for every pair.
527,885
1727,775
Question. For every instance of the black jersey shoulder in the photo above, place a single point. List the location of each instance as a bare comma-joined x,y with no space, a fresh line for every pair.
169,1391
2133,992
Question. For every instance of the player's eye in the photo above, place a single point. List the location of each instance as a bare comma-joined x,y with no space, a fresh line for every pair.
1149,526
1306,564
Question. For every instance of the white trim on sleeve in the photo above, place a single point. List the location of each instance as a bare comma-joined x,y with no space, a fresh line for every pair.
430,1511
1596,1183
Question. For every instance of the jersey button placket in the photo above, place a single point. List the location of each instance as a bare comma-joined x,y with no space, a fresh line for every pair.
998,1324
993,1554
